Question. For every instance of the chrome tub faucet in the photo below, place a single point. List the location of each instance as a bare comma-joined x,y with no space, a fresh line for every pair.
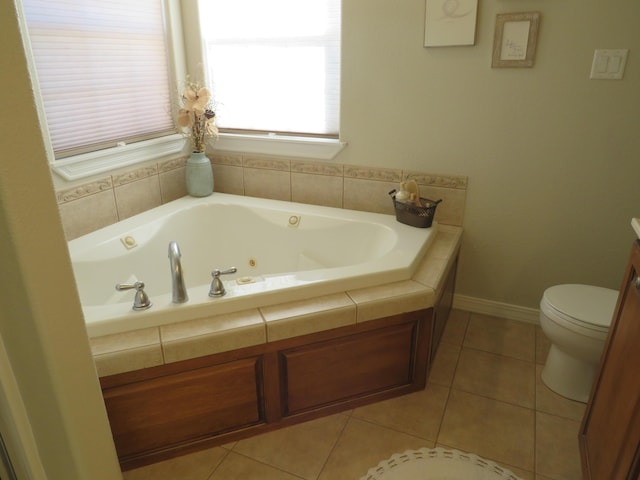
178,288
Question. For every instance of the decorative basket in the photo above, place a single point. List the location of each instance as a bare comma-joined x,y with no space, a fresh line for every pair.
420,216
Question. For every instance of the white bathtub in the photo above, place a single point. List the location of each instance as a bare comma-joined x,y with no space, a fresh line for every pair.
283,252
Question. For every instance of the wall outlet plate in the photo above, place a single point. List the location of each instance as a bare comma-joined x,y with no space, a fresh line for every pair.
608,64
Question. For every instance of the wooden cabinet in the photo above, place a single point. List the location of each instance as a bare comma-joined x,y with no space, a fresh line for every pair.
164,411
327,372
178,408
610,432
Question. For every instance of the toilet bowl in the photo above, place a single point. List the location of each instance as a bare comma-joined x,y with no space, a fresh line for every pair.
575,319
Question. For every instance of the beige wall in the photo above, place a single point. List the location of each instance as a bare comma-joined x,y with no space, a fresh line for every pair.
41,324
553,158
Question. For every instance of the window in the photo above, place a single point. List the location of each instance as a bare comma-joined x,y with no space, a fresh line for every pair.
274,66
102,71
106,75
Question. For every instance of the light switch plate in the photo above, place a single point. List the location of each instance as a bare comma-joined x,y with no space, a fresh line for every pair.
608,64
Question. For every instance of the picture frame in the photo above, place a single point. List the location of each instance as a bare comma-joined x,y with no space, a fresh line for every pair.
515,40
450,23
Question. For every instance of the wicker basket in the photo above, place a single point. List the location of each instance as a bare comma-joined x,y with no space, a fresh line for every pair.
420,216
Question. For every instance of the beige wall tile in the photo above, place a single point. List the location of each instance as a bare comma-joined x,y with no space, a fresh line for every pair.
451,210
88,214
134,175
125,341
128,360
391,299
318,168
226,158
222,341
269,163
265,183
90,188
196,338
435,180
372,173
228,179
317,189
368,195
172,184
293,319
138,196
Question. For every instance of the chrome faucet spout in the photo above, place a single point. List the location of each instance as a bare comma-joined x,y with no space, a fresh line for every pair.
178,288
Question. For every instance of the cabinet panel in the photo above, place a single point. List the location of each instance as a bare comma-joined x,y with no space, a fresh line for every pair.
183,407
611,429
327,372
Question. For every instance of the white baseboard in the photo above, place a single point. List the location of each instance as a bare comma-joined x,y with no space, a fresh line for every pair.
496,309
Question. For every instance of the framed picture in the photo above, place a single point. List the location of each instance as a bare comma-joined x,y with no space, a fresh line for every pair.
450,22
515,39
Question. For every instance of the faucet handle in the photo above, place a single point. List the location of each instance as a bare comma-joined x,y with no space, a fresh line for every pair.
217,287
141,300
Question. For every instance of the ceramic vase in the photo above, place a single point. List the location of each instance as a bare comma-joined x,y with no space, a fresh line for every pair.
199,175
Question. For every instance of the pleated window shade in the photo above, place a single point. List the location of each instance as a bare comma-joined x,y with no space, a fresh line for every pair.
274,65
102,71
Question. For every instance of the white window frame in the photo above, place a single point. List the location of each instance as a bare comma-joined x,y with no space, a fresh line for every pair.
185,53
315,148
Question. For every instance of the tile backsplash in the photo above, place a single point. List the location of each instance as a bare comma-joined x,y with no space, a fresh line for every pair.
99,203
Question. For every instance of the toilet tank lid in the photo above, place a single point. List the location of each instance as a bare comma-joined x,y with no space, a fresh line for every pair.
586,303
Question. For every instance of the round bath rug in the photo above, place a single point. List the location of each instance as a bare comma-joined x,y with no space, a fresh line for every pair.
438,464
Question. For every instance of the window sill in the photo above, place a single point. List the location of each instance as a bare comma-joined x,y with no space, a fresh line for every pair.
280,145
94,163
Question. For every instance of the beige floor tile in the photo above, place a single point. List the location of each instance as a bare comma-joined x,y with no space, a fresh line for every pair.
238,467
418,414
301,449
548,401
456,327
557,451
195,466
505,337
496,376
362,446
444,364
542,346
489,428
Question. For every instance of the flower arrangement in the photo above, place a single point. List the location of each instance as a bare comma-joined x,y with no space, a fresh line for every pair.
197,117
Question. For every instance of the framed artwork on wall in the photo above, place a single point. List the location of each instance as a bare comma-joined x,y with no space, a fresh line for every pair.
515,39
450,22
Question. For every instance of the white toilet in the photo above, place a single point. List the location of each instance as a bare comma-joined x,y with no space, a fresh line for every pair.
576,319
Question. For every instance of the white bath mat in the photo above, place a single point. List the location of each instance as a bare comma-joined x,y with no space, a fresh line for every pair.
438,464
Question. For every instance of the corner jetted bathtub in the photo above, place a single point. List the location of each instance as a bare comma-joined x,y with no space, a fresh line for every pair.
282,251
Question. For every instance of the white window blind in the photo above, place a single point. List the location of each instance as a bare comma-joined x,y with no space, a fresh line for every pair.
274,66
102,71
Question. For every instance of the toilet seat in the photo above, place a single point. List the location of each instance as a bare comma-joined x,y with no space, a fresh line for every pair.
582,306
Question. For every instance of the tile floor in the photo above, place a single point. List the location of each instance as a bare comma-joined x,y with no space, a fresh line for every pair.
484,396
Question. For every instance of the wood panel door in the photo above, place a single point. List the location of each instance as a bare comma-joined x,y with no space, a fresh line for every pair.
610,433
184,407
